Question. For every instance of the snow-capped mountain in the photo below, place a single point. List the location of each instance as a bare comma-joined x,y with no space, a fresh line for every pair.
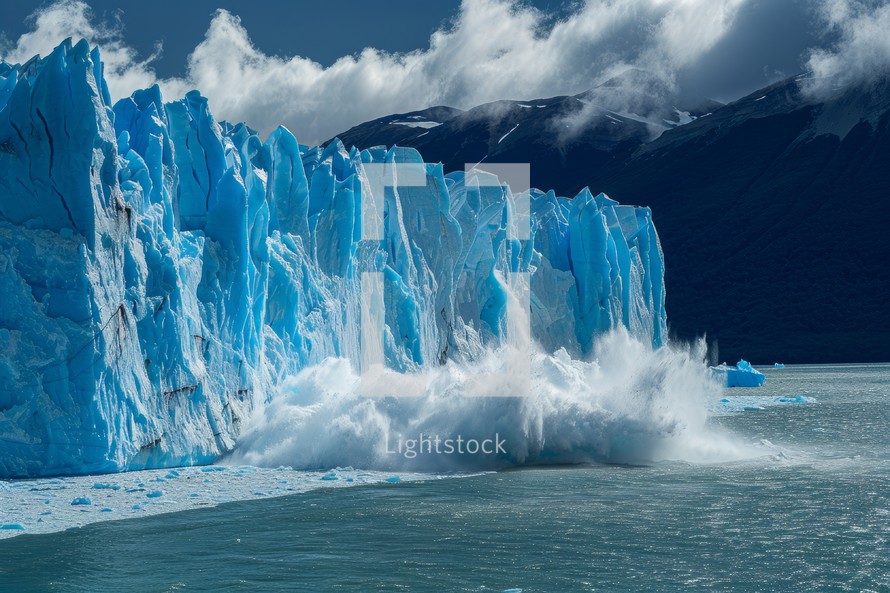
562,137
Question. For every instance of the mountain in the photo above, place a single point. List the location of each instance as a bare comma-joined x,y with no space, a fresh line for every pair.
772,210
562,137
162,274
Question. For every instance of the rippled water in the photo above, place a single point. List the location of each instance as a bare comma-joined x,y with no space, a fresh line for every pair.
811,514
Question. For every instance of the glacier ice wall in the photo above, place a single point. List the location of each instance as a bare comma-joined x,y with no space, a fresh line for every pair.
161,272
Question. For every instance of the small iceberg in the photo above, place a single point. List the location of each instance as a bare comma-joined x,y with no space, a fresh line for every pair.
740,375
779,365
104,486
795,399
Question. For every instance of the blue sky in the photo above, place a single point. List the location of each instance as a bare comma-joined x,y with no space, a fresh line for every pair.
322,67
318,30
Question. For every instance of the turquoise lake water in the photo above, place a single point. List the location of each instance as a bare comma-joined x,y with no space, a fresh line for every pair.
811,514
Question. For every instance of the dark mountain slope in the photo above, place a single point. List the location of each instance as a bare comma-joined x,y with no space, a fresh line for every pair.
774,231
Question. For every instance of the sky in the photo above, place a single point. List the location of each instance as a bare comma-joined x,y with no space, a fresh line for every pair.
320,68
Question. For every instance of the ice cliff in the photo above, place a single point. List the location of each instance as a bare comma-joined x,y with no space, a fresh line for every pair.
161,272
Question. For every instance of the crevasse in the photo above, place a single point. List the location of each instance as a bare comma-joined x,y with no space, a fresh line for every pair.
161,272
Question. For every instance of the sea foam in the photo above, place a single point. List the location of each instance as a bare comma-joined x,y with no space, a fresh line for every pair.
627,403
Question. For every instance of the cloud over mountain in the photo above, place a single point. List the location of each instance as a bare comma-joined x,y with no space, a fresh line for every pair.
862,53
492,49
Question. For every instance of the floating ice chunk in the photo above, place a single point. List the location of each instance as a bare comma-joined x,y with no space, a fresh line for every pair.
13,526
779,365
795,399
105,486
394,480
330,476
741,375
82,501
755,403
155,494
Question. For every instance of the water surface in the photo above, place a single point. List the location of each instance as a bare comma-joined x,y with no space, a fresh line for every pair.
811,514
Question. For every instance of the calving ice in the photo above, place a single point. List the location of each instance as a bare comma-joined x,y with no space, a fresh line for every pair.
426,444
164,276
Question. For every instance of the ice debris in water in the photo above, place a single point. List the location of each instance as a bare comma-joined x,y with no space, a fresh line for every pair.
45,505
104,486
796,399
755,403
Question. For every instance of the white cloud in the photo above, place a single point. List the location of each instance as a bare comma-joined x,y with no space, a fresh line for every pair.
73,18
862,53
494,49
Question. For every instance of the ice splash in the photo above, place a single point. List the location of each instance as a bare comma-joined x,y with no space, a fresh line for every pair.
628,404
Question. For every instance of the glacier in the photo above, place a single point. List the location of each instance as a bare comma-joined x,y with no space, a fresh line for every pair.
162,273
